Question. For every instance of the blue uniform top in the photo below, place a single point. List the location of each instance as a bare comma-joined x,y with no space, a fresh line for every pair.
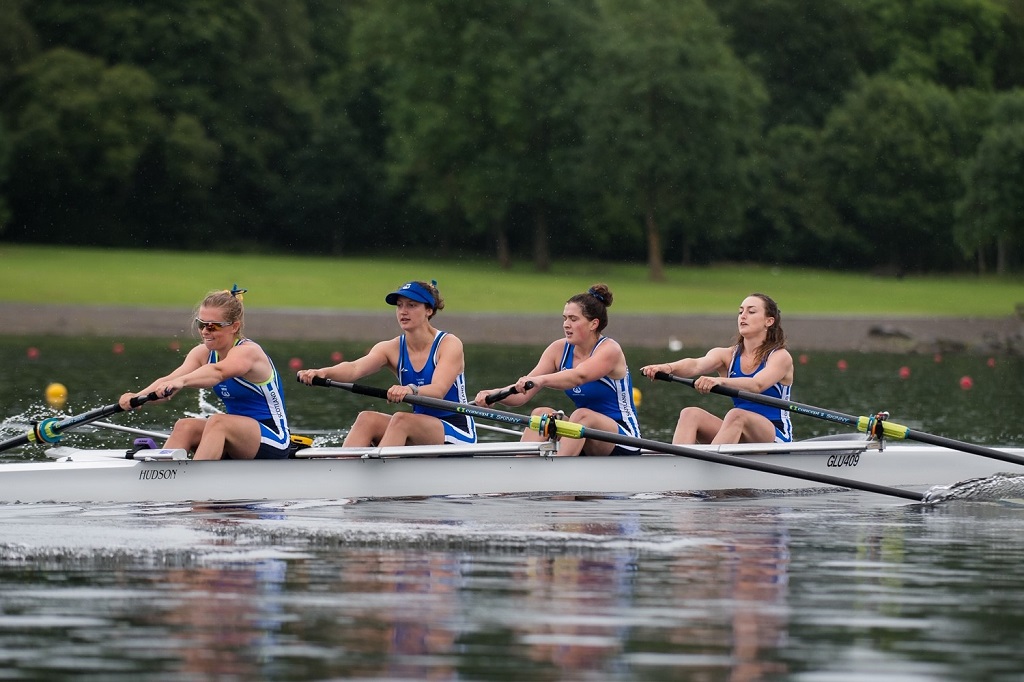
777,416
610,397
262,401
465,427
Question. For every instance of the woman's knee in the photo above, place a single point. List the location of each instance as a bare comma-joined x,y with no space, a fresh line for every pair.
738,416
400,420
190,425
691,413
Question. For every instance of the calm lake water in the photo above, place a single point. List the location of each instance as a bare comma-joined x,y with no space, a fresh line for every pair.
815,587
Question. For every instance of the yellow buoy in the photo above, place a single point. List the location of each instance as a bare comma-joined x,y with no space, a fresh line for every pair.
638,397
56,395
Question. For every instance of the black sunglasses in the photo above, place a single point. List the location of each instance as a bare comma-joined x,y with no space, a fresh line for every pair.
211,326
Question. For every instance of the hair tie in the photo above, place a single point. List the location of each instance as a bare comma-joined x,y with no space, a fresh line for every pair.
236,292
596,295
433,283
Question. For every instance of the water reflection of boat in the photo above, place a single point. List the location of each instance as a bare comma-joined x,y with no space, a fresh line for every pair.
80,475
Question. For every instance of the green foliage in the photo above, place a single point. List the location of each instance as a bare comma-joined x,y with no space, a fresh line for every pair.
806,52
991,211
18,41
669,116
954,43
891,153
791,198
5,168
71,112
476,112
858,133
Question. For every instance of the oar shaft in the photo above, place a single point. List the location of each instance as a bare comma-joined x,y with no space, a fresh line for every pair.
800,408
425,401
756,465
573,430
131,429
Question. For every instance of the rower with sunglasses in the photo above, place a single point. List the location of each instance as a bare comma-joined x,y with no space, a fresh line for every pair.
255,425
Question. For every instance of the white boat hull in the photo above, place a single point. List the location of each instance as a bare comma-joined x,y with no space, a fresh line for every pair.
106,476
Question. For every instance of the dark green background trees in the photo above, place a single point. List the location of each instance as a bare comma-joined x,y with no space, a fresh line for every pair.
860,134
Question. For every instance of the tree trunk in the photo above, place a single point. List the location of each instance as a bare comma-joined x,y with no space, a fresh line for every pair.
685,252
655,260
502,246
541,248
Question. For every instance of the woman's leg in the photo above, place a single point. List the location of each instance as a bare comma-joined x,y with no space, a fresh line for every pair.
695,425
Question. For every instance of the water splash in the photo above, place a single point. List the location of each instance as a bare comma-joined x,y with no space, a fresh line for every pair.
999,487
18,424
205,407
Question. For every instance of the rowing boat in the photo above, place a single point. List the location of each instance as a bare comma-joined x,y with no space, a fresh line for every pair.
84,475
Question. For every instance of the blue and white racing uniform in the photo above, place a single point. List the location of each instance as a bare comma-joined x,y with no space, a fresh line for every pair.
778,417
263,402
610,397
458,428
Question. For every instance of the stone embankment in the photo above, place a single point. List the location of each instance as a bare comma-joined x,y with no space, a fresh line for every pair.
834,333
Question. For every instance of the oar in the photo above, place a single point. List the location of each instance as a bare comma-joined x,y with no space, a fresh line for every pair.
498,396
865,424
50,430
542,424
132,430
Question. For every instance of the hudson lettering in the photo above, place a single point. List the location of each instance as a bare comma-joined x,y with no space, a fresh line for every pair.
158,474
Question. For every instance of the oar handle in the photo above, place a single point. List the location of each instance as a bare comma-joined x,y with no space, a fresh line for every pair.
498,396
140,400
375,392
721,390
371,391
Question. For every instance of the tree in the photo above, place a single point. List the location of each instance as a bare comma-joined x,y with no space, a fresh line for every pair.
474,96
669,117
891,155
991,211
79,131
237,68
5,168
806,52
954,43
791,217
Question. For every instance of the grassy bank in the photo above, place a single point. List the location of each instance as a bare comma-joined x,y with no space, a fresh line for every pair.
84,276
